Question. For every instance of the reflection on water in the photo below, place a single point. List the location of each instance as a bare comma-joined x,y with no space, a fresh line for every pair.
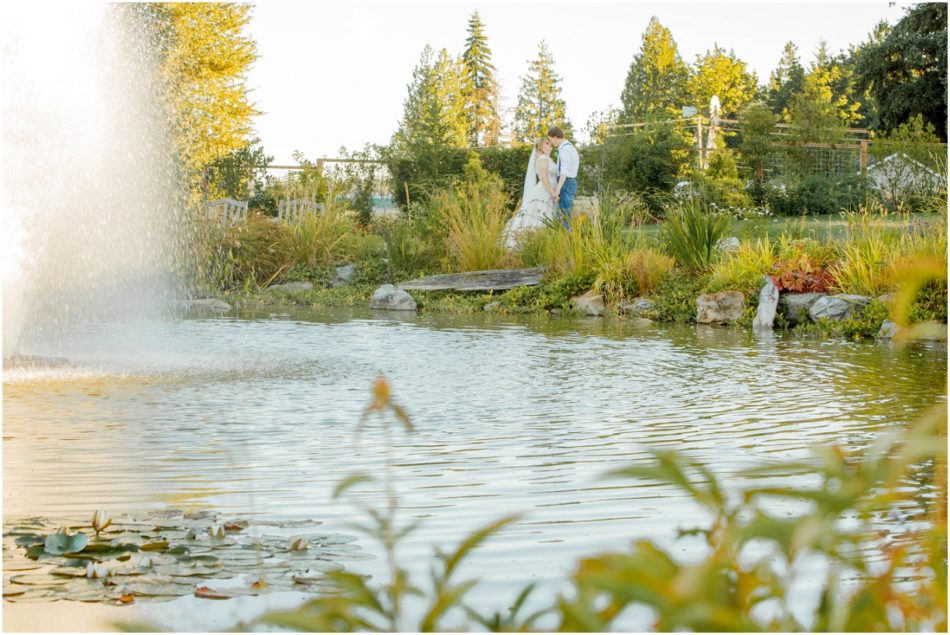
255,416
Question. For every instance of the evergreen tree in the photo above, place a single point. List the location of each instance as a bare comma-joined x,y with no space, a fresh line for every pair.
656,84
786,80
434,110
722,74
479,87
906,72
540,104
817,114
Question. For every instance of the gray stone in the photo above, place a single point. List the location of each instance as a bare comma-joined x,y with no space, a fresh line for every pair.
888,330
768,303
207,304
795,306
344,275
292,287
730,243
492,306
488,280
591,303
717,308
637,307
837,307
389,298
641,322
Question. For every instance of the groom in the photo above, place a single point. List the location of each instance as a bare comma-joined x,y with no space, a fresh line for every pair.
568,162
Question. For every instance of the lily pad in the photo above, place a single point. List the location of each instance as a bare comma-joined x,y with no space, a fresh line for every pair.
60,542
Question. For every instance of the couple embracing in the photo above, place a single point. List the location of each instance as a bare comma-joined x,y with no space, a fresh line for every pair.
549,187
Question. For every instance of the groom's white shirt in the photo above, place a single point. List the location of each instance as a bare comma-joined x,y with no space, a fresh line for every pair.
567,160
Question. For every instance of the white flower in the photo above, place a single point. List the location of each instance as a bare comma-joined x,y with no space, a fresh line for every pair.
101,520
97,570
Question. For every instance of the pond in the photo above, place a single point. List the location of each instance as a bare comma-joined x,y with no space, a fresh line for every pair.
254,416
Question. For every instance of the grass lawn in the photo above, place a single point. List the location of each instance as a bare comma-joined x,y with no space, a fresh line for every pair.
827,226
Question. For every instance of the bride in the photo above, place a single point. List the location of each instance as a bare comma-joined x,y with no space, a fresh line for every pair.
538,204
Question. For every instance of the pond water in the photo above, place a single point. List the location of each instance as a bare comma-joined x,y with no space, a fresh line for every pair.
254,415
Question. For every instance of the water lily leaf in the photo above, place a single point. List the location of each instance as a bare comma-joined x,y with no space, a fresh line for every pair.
177,550
69,572
158,545
22,566
9,592
158,588
125,598
59,543
27,540
99,547
37,579
203,558
211,594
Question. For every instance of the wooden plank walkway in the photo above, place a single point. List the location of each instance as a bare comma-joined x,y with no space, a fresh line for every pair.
488,280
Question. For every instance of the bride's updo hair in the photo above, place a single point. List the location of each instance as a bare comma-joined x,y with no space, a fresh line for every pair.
537,144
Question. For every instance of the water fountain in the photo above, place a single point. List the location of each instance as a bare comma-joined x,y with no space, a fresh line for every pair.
88,186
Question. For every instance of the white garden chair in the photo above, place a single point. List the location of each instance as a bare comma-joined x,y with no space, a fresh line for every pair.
227,211
292,211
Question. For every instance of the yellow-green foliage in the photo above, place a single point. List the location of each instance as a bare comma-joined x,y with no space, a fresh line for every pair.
868,256
646,268
472,214
322,239
743,268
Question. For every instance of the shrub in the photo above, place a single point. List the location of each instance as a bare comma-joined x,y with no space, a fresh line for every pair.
410,249
691,232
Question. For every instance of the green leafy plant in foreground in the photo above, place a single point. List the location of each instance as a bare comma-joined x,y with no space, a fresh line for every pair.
690,234
366,605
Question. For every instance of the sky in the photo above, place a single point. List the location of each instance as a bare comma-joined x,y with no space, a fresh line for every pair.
332,74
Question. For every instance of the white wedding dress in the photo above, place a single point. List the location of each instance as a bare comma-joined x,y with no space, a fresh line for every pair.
536,204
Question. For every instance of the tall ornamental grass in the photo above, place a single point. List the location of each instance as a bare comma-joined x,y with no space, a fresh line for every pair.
868,256
691,232
323,238
472,215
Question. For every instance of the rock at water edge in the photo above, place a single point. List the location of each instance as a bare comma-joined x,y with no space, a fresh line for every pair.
637,307
591,303
837,307
292,287
721,307
389,298
796,305
768,303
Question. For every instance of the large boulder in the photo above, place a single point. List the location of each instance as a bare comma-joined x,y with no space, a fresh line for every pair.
717,308
389,298
768,303
888,330
638,306
837,307
206,304
795,306
591,303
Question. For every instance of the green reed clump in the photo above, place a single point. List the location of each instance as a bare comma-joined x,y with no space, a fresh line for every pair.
690,233
247,254
323,238
471,216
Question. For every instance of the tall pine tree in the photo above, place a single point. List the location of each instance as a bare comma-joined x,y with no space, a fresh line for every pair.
786,80
540,104
479,88
656,85
434,110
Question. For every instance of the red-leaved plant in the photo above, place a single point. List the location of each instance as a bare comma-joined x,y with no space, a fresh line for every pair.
800,276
